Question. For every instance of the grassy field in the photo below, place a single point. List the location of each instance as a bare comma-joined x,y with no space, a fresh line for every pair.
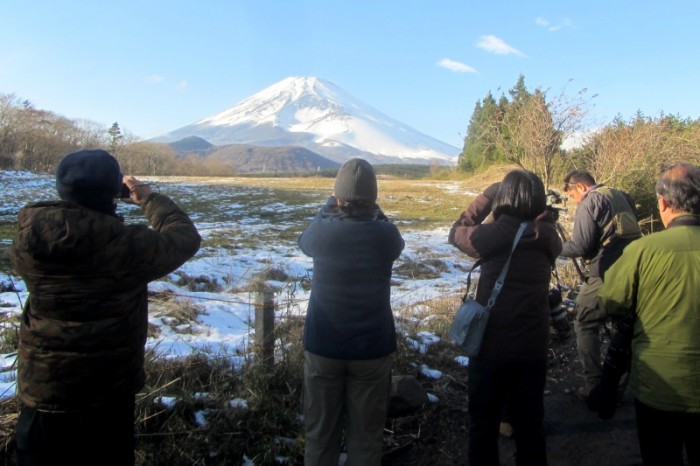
254,213
418,204
422,201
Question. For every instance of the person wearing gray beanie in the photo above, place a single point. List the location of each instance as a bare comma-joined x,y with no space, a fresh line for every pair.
356,181
349,332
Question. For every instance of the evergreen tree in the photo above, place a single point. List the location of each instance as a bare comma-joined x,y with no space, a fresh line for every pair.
479,144
526,129
115,137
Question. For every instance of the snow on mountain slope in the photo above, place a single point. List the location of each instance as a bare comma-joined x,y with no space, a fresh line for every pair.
317,114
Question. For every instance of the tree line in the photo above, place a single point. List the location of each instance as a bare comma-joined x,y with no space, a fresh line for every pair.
524,127
35,140
527,128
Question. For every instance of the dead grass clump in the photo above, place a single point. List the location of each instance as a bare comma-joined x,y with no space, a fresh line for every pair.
172,407
218,409
262,279
180,314
9,332
441,424
9,411
420,270
423,336
432,315
568,275
206,284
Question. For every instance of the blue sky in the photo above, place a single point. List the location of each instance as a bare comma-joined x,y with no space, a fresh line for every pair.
155,65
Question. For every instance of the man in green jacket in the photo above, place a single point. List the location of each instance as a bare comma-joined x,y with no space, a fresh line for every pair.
655,282
84,325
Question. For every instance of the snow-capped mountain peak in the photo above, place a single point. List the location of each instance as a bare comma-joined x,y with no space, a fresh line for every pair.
316,114
292,101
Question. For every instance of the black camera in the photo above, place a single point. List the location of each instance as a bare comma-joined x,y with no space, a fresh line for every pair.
553,197
125,192
557,311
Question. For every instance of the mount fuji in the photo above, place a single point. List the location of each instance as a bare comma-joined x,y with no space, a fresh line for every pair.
317,115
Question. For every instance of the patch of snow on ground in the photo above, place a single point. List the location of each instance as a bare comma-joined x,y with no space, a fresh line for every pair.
252,245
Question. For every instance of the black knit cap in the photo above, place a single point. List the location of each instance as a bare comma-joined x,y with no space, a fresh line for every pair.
88,177
356,181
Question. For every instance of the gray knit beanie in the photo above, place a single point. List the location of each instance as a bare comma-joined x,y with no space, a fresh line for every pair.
356,181
88,177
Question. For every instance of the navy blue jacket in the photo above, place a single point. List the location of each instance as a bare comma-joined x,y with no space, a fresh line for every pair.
349,314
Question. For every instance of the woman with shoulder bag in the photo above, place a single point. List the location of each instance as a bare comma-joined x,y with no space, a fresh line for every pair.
512,361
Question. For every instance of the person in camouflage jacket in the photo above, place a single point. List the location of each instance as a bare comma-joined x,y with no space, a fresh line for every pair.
83,329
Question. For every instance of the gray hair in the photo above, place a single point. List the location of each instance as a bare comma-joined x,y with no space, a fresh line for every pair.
679,185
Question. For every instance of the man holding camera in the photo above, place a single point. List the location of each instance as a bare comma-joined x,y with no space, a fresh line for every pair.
604,223
83,329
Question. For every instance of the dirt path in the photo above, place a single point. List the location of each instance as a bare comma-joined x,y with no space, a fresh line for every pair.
577,437
437,436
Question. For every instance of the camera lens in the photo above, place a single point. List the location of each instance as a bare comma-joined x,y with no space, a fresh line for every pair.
554,298
558,313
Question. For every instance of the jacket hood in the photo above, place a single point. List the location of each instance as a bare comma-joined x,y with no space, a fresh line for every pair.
62,230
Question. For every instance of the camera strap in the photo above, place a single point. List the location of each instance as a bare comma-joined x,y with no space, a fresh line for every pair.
556,276
502,276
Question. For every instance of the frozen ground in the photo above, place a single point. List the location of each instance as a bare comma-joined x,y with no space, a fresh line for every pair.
248,232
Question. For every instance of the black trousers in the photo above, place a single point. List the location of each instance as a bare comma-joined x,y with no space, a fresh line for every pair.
103,436
491,383
664,434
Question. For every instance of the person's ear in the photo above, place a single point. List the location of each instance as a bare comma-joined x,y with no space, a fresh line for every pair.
663,205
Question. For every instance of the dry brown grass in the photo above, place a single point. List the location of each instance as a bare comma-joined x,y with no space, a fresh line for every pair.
270,426
418,202
204,387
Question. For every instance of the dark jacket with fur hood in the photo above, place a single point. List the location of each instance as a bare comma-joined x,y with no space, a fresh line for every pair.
518,326
84,325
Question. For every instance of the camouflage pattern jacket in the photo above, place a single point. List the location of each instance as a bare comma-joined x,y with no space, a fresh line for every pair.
605,222
84,325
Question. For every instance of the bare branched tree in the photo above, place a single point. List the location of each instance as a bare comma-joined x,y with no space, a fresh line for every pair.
631,155
531,129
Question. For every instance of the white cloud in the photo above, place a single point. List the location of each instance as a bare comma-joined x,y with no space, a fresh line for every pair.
455,66
565,23
156,78
182,85
496,45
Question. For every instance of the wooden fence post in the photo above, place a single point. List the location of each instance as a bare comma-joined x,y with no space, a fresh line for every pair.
265,325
